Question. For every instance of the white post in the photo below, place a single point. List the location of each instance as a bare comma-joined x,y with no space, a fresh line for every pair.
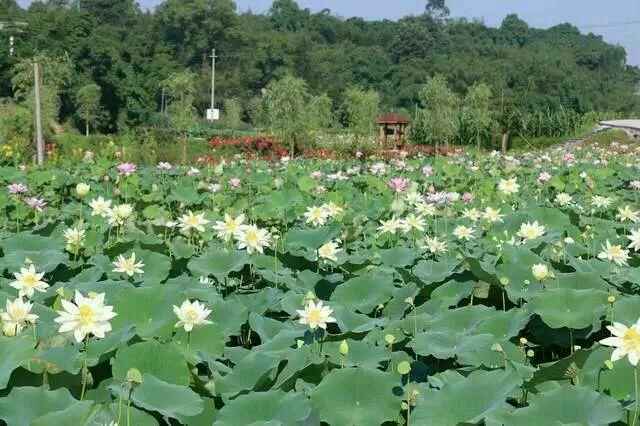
213,78
39,137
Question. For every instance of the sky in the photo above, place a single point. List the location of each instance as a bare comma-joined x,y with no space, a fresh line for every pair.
617,20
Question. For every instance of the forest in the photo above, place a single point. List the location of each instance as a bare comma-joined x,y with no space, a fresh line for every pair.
108,66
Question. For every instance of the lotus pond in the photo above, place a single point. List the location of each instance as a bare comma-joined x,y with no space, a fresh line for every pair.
493,290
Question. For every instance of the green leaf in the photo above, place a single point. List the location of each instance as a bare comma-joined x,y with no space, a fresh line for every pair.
564,307
218,262
468,400
13,352
45,253
76,414
158,359
430,272
566,405
273,406
364,293
167,399
22,405
357,397
398,257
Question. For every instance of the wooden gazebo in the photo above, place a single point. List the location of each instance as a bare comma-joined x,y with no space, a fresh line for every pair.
392,126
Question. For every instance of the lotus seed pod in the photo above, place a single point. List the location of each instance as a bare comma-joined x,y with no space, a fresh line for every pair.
134,376
404,368
390,339
611,299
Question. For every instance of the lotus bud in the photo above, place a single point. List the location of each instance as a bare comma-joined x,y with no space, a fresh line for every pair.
82,189
344,348
210,386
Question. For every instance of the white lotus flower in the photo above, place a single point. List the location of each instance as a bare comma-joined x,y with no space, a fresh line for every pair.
492,215
508,186
28,281
316,315
462,232
614,253
74,238
329,251
471,214
191,314
118,215
253,239
541,272
17,316
434,245
625,340
128,266
191,221
531,231
426,209
317,216
229,228
627,214
634,237
100,207
601,202
563,199
390,226
332,209
86,316
413,222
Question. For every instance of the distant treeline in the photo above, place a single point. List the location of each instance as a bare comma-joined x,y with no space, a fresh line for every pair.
123,56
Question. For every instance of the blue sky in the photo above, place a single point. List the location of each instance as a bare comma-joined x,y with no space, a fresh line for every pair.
605,18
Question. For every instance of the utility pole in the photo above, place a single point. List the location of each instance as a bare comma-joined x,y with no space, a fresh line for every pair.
213,78
162,106
39,137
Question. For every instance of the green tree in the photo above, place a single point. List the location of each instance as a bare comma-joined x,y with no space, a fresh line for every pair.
361,107
477,111
182,113
285,104
439,117
88,104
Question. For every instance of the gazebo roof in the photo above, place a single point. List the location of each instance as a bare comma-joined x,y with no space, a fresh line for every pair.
392,118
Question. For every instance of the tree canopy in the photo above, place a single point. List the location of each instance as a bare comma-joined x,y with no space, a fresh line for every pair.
130,53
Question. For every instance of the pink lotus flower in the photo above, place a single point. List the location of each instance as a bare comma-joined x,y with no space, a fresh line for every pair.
544,177
398,184
17,188
427,171
467,197
38,204
569,157
127,169
234,183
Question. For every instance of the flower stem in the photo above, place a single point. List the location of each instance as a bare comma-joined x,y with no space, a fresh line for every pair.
635,384
84,378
